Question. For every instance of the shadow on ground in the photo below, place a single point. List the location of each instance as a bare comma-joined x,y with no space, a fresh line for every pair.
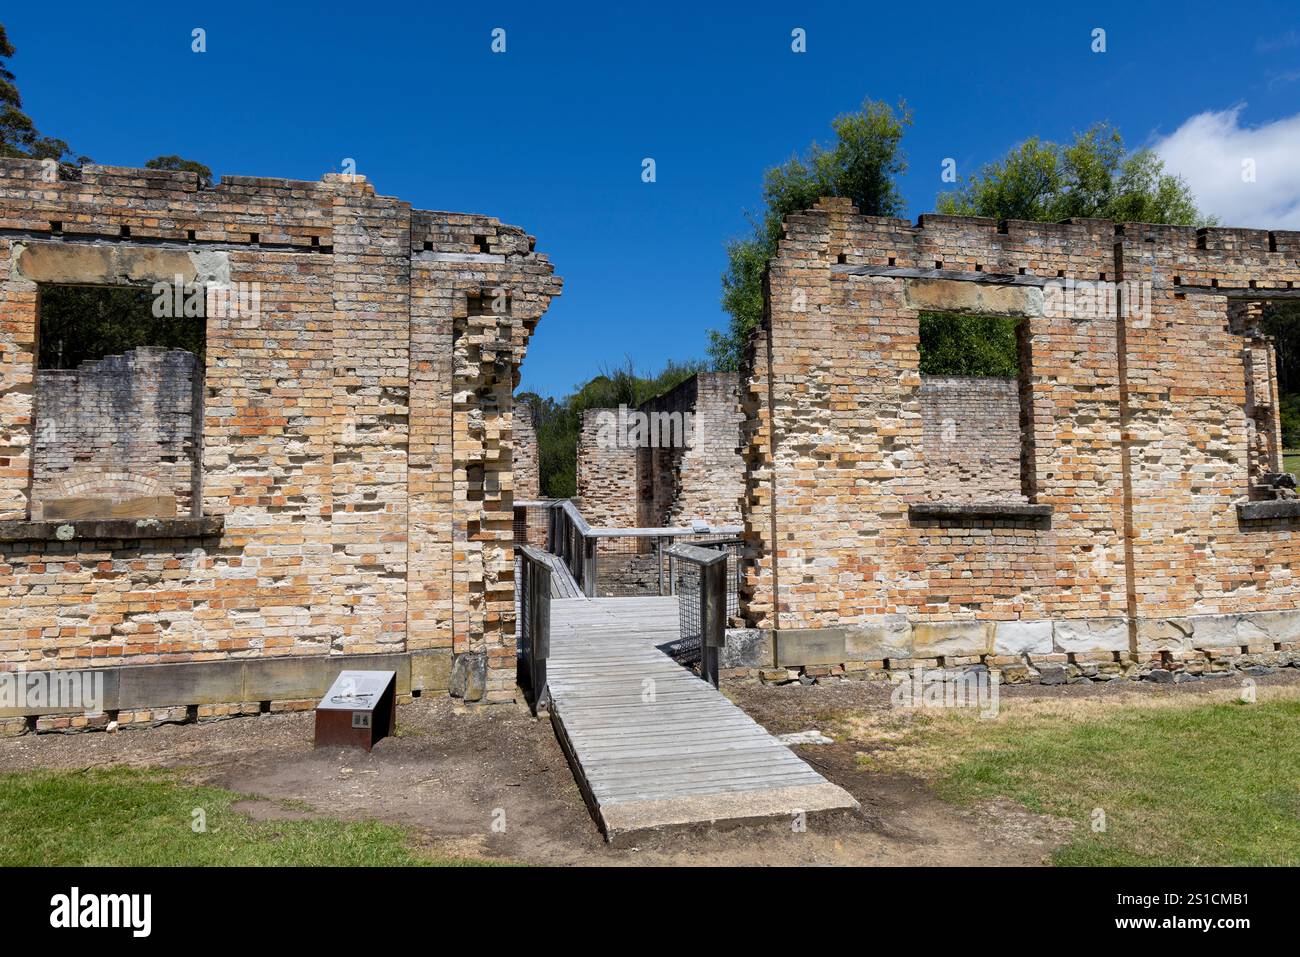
452,772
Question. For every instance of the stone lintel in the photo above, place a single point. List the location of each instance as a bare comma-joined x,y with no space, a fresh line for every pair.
115,529
1263,511
960,511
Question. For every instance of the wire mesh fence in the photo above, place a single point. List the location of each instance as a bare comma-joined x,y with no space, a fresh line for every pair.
531,523
633,566
684,582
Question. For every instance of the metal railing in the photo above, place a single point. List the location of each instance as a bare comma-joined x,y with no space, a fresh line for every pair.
532,521
702,604
621,562
680,572
534,621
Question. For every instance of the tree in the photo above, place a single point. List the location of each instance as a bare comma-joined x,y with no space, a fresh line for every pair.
955,344
1092,177
1282,322
862,164
18,134
179,163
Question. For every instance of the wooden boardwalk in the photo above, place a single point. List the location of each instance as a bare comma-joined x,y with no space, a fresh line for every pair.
562,581
563,584
650,743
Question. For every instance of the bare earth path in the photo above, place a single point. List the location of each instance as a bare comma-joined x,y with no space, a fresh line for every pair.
450,768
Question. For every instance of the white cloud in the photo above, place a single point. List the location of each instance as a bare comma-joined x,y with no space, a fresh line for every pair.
1210,151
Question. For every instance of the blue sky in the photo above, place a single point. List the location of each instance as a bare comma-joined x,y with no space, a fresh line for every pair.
551,134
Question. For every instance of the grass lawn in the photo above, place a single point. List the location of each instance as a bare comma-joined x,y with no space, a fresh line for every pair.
144,818
1185,781
1291,462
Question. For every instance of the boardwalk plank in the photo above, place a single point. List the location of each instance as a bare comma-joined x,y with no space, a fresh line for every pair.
688,754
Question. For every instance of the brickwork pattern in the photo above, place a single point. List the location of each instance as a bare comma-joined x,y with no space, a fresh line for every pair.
117,428
607,475
356,431
688,467
1134,427
970,437
528,484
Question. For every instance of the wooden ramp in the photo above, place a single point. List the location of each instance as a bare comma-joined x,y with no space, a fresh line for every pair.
653,745
563,584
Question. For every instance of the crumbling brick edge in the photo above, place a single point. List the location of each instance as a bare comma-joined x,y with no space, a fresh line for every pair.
147,695
1060,651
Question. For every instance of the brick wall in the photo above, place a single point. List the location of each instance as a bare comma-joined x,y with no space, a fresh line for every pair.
117,429
705,480
356,430
606,471
1135,436
686,466
527,478
970,437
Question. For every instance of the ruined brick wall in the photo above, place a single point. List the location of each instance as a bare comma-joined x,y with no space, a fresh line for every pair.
707,476
607,471
527,478
117,429
682,463
1134,429
356,430
970,437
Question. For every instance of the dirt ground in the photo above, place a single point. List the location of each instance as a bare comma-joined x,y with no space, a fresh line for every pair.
449,769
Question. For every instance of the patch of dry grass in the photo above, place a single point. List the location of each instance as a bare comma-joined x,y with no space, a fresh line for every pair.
1180,778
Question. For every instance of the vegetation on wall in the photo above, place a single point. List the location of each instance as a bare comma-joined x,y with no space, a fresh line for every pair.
954,344
1093,176
78,323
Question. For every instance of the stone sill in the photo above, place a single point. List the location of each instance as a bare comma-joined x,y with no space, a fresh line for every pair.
116,529
985,511
1262,511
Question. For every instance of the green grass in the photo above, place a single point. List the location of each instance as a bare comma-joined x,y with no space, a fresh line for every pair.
1291,462
124,817
1213,784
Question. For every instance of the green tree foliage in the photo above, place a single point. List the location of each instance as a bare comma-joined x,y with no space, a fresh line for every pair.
18,134
558,422
954,344
862,164
1282,322
78,323
180,163
1091,177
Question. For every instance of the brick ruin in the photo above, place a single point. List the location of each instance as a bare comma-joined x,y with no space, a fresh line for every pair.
970,437
1145,529
606,474
669,476
355,495
528,483
117,437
